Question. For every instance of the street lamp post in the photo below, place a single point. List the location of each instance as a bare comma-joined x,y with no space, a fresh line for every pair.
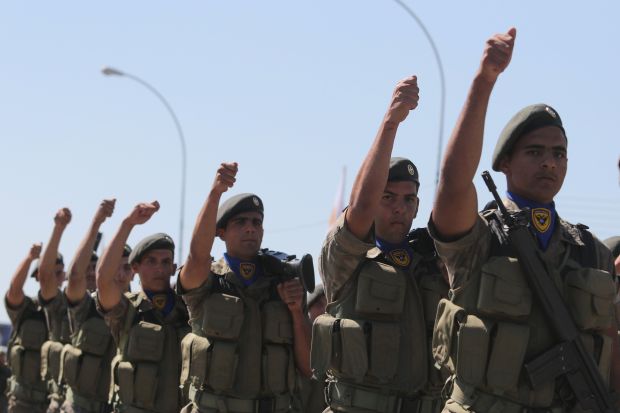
109,71
441,79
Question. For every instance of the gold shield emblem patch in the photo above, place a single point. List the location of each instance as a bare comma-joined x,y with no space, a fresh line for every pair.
247,269
159,301
400,257
541,218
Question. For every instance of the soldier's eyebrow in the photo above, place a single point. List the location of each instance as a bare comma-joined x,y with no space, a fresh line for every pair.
395,194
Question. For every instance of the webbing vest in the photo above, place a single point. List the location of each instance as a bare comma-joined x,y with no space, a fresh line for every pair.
24,358
493,324
51,351
145,371
85,363
243,346
377,332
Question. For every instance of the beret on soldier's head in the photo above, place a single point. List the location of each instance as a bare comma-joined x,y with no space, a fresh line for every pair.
157,241
402,169
319,291
525,121
236,205
59,260
613,243
126,251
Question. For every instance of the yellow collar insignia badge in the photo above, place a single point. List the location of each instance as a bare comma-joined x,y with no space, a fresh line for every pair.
247,269
541,218
400,257
159,301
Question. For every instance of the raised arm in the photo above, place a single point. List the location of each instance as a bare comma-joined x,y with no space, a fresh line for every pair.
76,286
109,291
15,295
373,174
47,265
456,203
198,264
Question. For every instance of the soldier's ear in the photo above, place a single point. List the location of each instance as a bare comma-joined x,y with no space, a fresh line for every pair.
504,164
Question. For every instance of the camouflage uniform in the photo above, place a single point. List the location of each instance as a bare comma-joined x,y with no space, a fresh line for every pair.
469,257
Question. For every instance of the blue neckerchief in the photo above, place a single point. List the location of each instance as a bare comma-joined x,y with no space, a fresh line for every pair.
399,254
252,269
543,217
162,301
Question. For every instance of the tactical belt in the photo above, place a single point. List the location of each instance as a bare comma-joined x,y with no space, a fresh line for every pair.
25,393
484,402
343,395
89,405
204,400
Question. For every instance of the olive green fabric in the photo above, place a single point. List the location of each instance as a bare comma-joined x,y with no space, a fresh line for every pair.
236,205
373,345
493,326
145,372
402,169
241,346
159,241
59,334
86,362
526,120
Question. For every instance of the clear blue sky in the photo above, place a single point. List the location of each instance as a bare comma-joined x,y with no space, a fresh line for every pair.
291,90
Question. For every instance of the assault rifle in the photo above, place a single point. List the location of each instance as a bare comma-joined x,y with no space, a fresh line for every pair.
568,358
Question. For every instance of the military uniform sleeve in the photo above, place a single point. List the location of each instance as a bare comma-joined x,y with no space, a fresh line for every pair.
115,317
17,313
78,312
193,300
465,255
55,313
340,255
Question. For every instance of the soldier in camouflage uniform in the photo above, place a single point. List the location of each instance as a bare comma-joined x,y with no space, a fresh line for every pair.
382,285
27,391
55,306
493,325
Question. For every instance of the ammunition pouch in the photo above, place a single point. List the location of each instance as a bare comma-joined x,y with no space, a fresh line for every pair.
51,352
380,292
504,292
136,382
25,364
145,342
82,371
223,317
278,359
353,349
590,294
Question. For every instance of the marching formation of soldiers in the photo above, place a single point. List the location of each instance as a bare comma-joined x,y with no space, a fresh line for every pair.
506,310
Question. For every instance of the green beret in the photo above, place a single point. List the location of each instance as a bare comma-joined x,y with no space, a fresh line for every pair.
158,241
613,244
525,121
236,205
402,169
